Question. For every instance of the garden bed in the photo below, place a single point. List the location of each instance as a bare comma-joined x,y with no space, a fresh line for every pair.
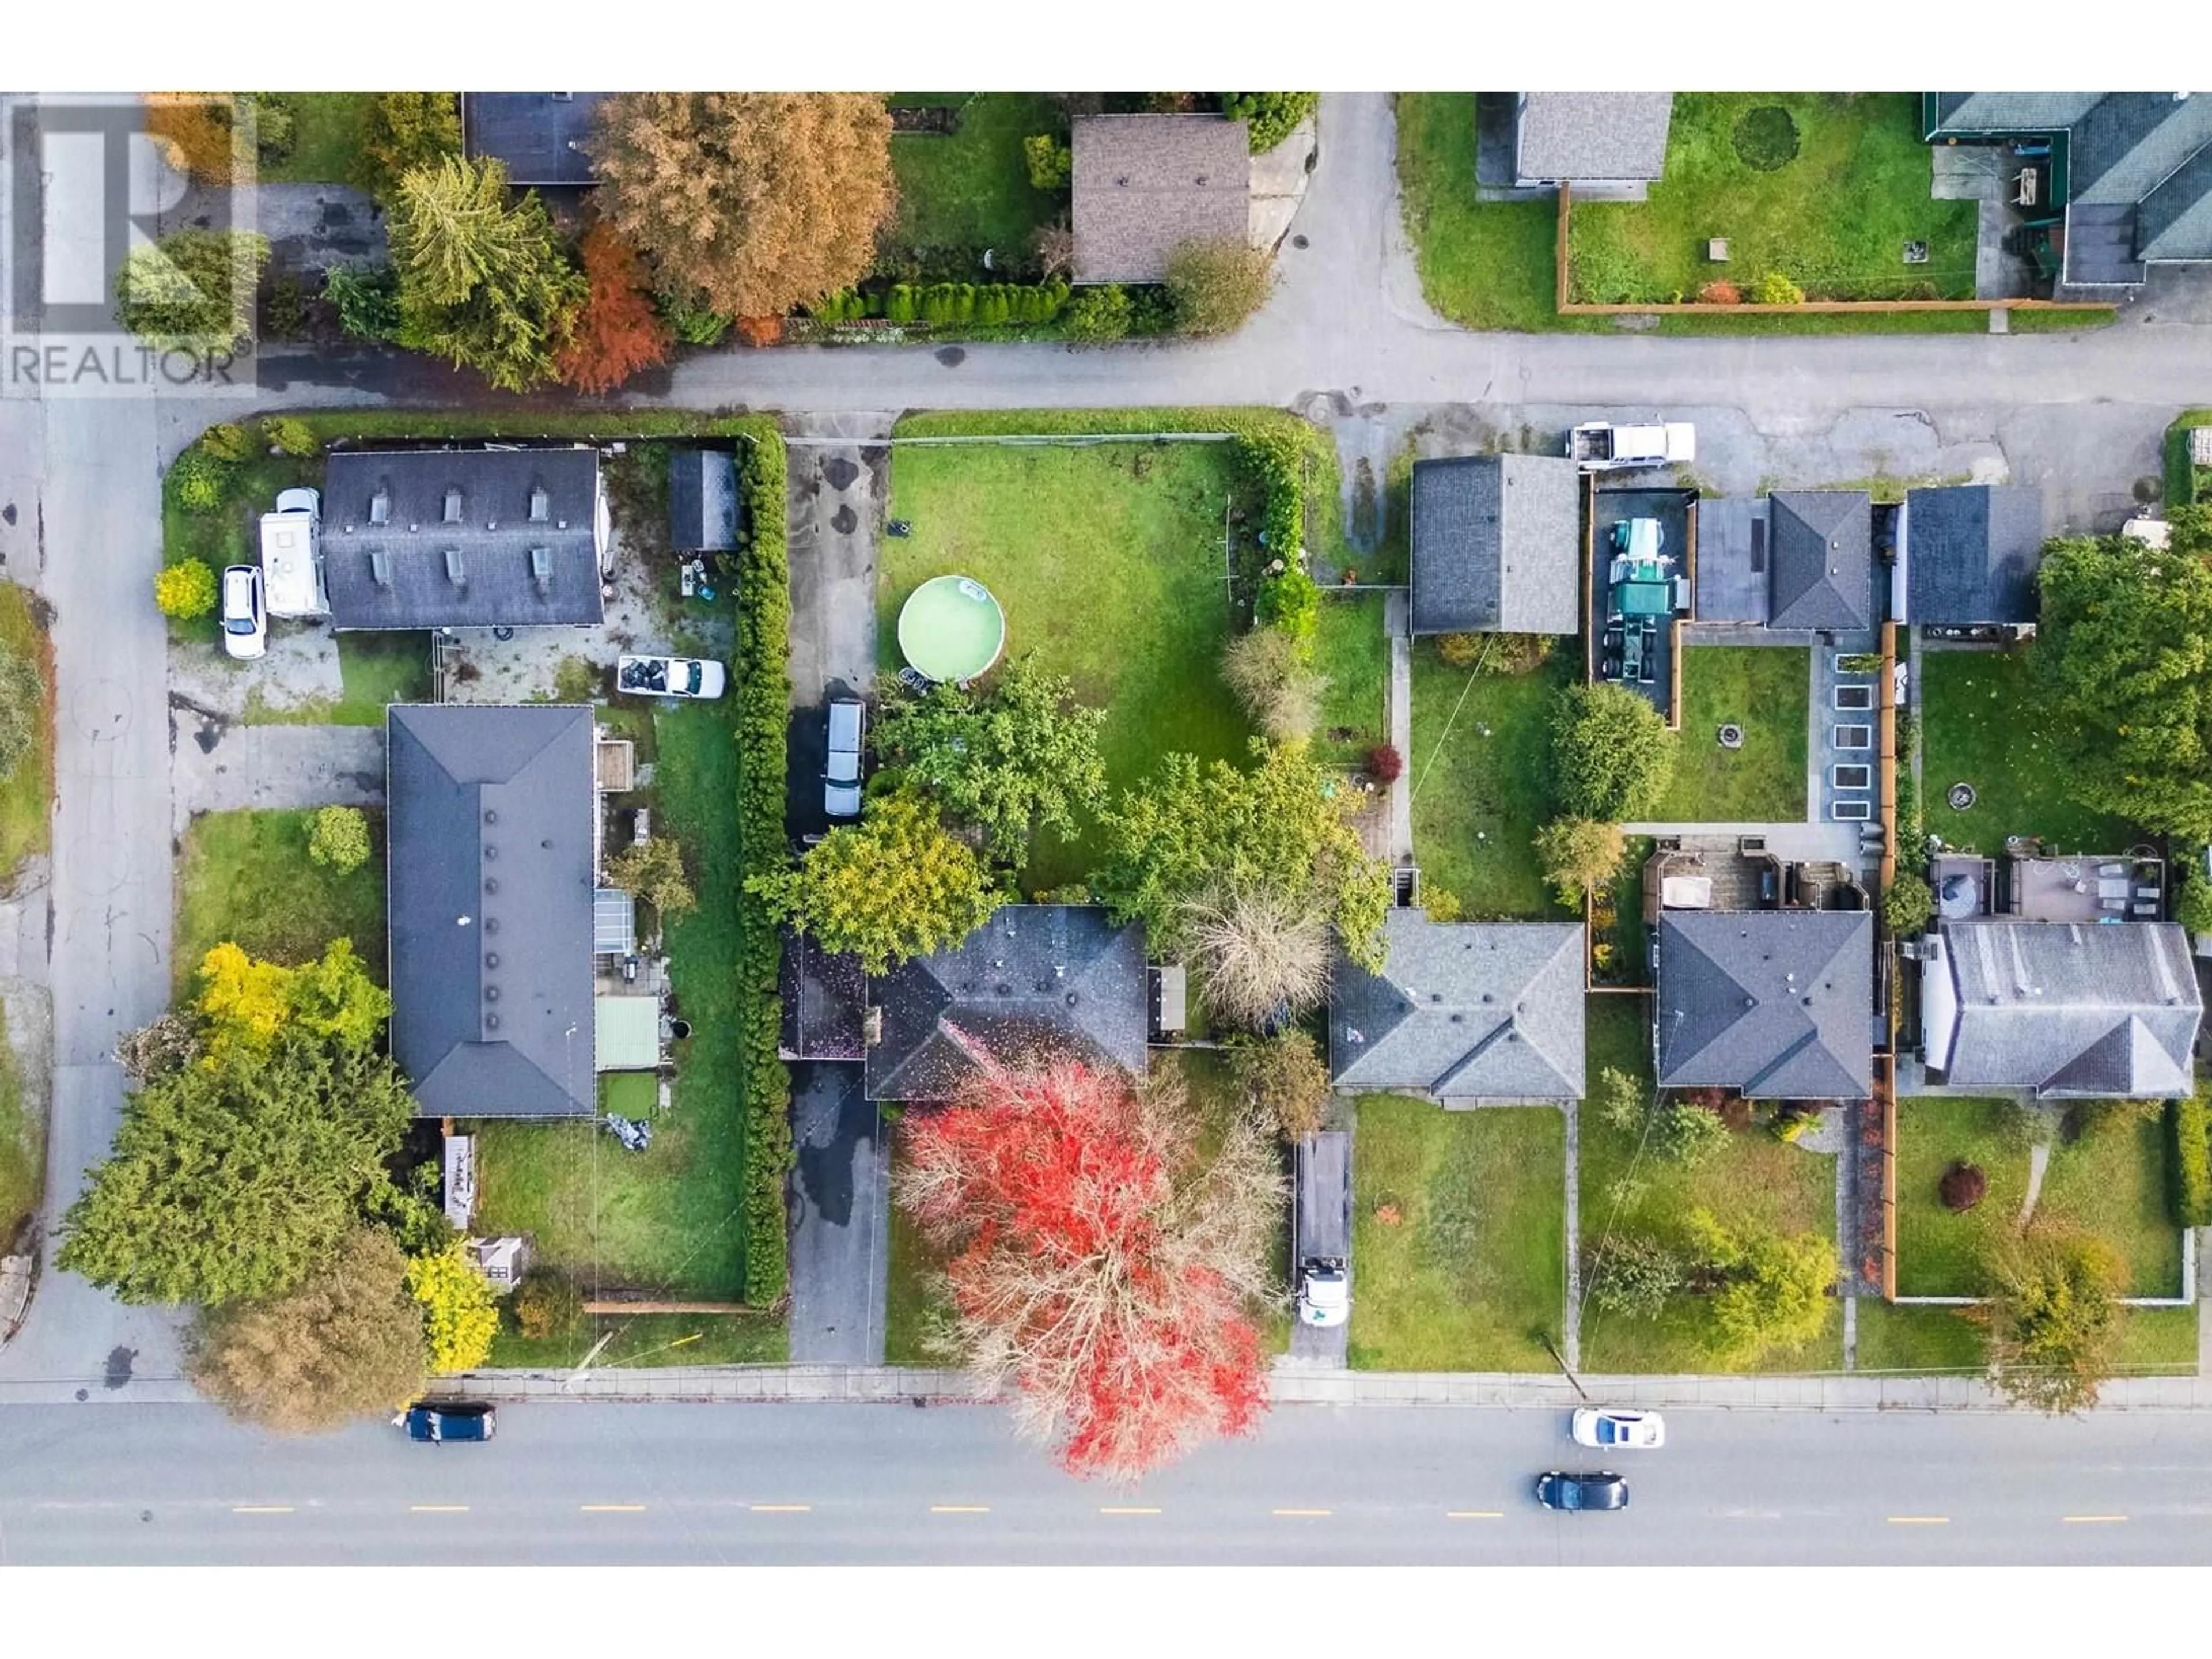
1982,723
1763,689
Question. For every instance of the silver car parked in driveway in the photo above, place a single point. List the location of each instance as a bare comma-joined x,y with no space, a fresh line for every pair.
840,788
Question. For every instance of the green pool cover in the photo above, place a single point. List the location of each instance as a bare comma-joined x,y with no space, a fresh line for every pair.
951,628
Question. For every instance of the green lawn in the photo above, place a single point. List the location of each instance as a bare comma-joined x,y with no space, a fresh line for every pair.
1108,560
650,1341
1352,650
670,1218
23,1147
27,794
961,193
376,669
1480,773
247,878
2114,1182
1894,1338
1458,1236
1763,689
1756,1179
1981,725
327,129
1834,220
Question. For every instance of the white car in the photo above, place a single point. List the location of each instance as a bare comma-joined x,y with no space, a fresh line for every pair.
1611,1428
841,775
669,676
245,623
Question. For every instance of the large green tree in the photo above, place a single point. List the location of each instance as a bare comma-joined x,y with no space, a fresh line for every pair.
2054,1317
1612,754
897,884
482,279
192,291
1193,836
1769,1290
2125,662
1019,756
402,131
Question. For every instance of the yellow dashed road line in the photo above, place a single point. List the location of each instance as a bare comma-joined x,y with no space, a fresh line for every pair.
1474,1514
2091,1520
613,1508
1919,1520
1124,1508
439,1509
780,1509
261,1509
959,1508
1311,1514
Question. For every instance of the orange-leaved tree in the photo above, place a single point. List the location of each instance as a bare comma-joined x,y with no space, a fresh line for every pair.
1099,1262
617,333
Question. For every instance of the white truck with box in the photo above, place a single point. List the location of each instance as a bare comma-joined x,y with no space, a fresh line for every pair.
1323,1249
1603,447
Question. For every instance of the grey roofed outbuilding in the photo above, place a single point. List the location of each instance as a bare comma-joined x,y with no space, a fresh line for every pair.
1972,552
825,1002
1592,138
1050,982
702,501
488,874
1821,554
2066,1009
1145,185
538,134
462,537
1463,1012
1777,1005
1497,545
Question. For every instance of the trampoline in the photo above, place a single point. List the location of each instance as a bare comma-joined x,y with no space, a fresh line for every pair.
951,628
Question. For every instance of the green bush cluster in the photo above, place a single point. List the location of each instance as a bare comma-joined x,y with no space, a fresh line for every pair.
366,299
199,480
694,325
984,304
290,435
763,699
1051,160
227,442
2192,1160
1292,601
1273,115
1098,314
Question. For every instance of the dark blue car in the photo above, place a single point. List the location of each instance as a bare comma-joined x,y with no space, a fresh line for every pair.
441,1420
1561,1491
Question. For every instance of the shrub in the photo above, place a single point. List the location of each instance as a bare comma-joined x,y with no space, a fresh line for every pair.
1613,755
1577,855
692,324
402,131
1962,1187
1273,115
1216,285
1636,1275
284,313
366,299
1441,904
1721,293
226,442
2193,910
1776,289
1051,160
2192,1160
199,480
1285,1080
193,291
1259,953
1385,764
1513,654
1292,601
546,1305
458,1316
1620,1098
653,871
289,435
1459,650
186,589
1268,672
1688,1134
1097,315
338,838
1908,904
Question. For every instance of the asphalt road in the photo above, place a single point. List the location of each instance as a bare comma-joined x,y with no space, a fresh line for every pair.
644,1485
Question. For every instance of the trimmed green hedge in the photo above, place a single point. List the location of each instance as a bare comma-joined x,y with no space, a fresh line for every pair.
2181,483
2192,1121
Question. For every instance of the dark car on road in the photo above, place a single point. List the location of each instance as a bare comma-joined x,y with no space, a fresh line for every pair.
1561,1491
441,1420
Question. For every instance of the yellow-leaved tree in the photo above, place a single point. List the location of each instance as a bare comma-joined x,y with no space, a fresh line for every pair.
458,1316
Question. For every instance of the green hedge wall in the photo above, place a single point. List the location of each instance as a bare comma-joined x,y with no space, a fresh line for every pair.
2192,1160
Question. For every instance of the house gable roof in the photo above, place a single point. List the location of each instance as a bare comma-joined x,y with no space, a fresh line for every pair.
1776,1003
538,134
1497,545
2066,1009
1820,558
1145,185
1592,137
1972,552
702,501
489,856
1056,981
1463,1012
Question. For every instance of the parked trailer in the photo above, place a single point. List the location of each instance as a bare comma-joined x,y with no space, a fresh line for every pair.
1323,1245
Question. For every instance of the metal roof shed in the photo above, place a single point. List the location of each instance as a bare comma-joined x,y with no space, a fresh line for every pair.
627,1033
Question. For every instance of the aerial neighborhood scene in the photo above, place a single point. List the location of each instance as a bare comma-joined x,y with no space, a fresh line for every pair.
1201,828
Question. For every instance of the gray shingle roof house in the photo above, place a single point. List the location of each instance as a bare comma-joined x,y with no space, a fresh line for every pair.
539,135
825,1002
1056,979
464,537
1777,1005
2060,1008
2131,170
488,872
1497,545
1820,558
1601,142
1971,553
1145,185
1463,1012
702,501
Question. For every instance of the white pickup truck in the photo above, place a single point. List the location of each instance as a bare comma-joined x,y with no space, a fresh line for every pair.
1601,447
1323,1245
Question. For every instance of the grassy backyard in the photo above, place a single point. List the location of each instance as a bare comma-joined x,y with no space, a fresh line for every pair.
1763,689
1458,1236
376,669
1108,560
1833,216
1351,652
962,192
27,794
1980,725
1480,773
247,878
1757,1180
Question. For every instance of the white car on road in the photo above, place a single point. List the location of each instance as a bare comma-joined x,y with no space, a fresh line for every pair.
1611,1428
245,623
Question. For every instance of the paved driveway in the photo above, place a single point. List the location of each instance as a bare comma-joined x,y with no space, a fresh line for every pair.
841,1235
222,767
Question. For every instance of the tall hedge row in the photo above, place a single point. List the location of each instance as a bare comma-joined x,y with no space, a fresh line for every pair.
2191,1119
764,712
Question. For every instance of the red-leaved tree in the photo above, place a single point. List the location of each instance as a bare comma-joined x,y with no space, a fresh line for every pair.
618,332
1099,1263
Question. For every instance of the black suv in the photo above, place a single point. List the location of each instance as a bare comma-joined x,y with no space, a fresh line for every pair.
1561,1491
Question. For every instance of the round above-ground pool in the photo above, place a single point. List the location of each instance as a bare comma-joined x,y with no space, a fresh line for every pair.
951,628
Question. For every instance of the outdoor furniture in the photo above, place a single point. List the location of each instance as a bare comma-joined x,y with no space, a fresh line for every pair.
2149,910
2109,887
2112,869
2118,905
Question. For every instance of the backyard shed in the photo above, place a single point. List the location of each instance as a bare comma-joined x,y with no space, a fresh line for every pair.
1497,545
1606,143
702,501
628,1033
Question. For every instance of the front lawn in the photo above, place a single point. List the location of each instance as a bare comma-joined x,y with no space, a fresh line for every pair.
1981,723
245,877
1458,1236
1481,777
647,1340
2114,1182
1108,560
2154,1341
962,192
376,669
1352,650
1756,1179
27,794
1763,689
1833,218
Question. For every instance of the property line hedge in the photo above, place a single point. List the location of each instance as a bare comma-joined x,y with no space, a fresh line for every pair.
2192,1120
